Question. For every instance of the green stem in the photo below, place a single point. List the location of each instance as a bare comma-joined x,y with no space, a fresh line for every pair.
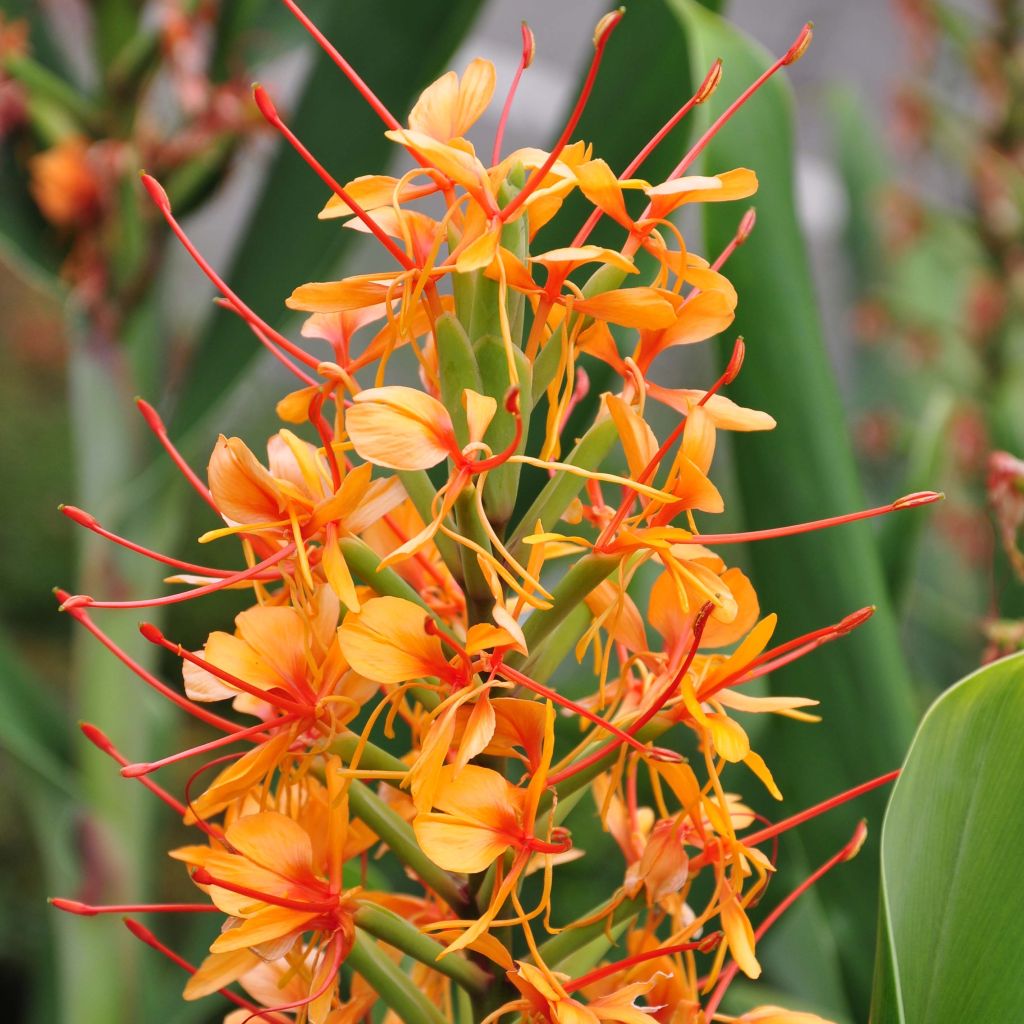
400,838
387,926
391,983
569,592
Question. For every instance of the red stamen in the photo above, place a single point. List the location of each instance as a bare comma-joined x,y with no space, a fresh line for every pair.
101,741
159,196
621,735
512,406
253,324
812,812
203,877
153,421
525,60
269,112
350,73
154,636
79,615
742,234
91,910
604,30
848,852
323,428
708,86
910,501
731,372
83,518
141,768
146,936
699,622
253,572
802,41
791,650
705,945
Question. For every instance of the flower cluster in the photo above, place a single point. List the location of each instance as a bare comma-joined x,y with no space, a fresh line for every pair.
404,602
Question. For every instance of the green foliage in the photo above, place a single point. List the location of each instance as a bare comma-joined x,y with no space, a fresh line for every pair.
803,470
951,926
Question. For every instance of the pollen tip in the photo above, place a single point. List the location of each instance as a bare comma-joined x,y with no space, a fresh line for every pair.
747,225
853,847
917,498
156,191
800,44
95,736
74,602
264,103
72,906
151,633
134,771
529,45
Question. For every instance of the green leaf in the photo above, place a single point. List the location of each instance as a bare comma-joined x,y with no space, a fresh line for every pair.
952,926
31,729
284,244
900,536
802,471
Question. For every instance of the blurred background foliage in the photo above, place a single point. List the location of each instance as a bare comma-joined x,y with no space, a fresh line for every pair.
925,325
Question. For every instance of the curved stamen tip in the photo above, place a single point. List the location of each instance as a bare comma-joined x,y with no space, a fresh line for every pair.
800,44
72,906
149,414
529,45
710,83
855,619
664,755
512,400
78,515
156,191
746,226
135,771
918,498
853,847
151,633
96,737
75,602
606,26
732,371
265,103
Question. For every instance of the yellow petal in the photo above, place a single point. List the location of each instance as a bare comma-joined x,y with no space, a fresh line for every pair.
480,410
738,932
448,107
400,428
274,841
336,296
630,307
386,641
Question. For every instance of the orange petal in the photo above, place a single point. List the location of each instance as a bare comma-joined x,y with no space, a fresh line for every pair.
448,107
243,490
274,841
400,428
630,307
386,641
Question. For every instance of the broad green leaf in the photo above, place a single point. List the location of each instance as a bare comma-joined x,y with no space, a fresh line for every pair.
952,921
285,245
32,731
802,471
